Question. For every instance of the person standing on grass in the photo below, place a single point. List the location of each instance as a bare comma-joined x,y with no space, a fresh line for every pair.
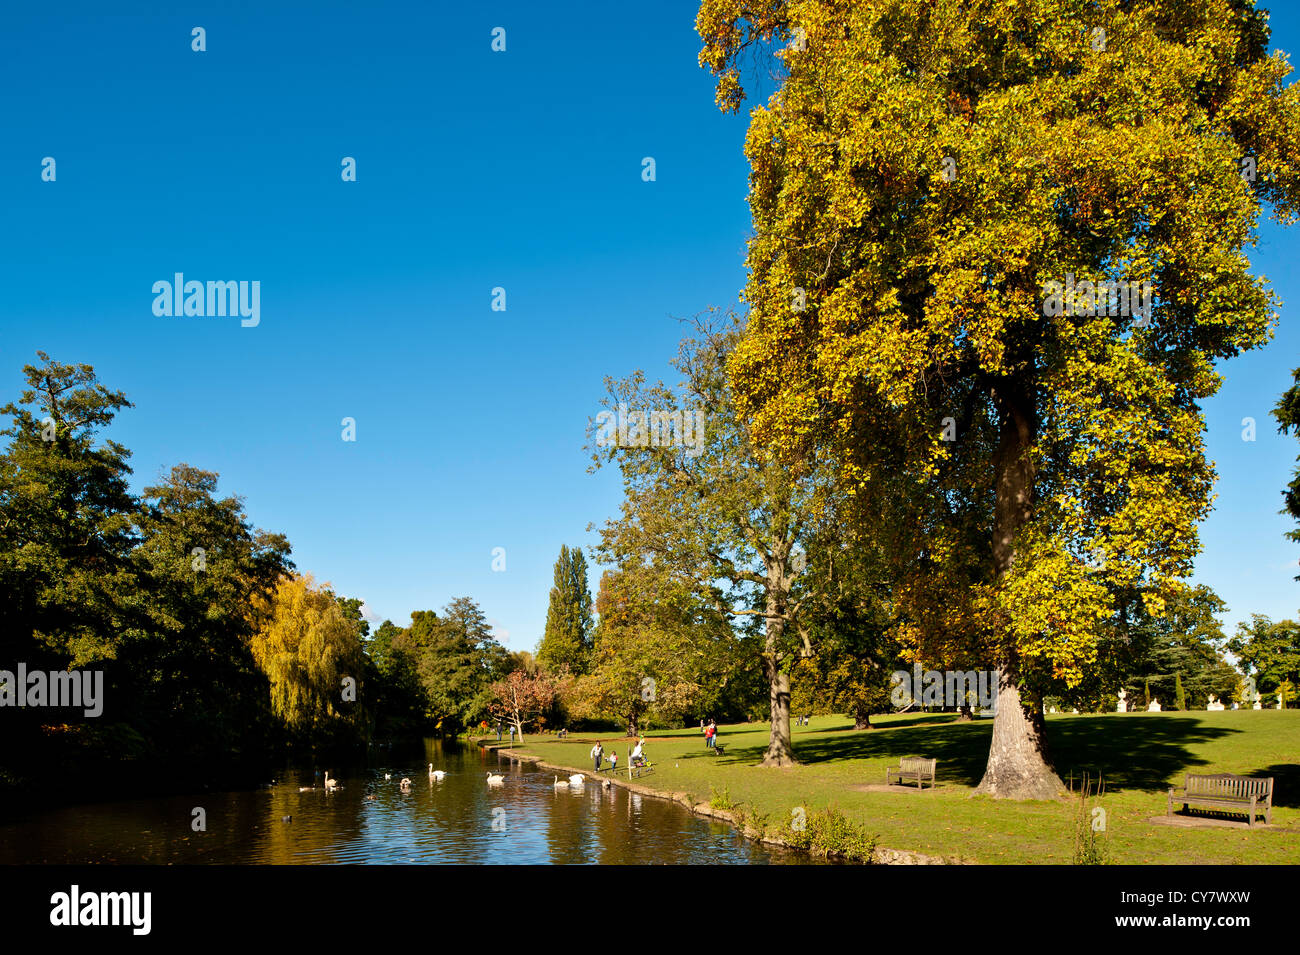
613,762
708,736
598,754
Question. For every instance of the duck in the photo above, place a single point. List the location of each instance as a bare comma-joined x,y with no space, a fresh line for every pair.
306,789
606,784
577,779
405,783
330,784
436,773
286,818
495,780
561,785
388,775
371,797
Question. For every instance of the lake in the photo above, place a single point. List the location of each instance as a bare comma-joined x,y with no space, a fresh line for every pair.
458,820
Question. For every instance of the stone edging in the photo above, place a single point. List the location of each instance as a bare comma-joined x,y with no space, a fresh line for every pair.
880,856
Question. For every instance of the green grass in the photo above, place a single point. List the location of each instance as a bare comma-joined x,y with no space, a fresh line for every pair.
1139,755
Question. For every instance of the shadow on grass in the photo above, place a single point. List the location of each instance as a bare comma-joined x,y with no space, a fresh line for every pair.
1286,783
1128,753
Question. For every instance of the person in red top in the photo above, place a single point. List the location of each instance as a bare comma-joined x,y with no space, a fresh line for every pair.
709,733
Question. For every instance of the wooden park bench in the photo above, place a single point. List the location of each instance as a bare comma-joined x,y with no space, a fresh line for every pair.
913,767
1226,792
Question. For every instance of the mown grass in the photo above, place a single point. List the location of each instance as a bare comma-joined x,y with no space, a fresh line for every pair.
1138,755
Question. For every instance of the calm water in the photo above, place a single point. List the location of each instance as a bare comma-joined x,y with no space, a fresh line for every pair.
459,820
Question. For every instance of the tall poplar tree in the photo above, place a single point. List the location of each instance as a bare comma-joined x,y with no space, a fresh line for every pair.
567,638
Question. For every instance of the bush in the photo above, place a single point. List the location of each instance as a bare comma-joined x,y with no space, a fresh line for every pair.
721,800
828,832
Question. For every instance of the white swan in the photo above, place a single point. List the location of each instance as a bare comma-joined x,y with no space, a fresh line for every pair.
436,773
495,780
577,779
561,785
330,784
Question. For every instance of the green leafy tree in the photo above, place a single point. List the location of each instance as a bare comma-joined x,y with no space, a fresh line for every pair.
457,659
566,640
1270,653
66,522
659,651
188,677
715,510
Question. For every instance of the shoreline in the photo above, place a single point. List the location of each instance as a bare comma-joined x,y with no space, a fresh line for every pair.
879,856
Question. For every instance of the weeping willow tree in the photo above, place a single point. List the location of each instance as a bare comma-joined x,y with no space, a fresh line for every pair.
311,652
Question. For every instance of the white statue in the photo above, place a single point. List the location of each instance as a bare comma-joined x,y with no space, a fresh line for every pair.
1154,707
1214,703
1258,705
1123,702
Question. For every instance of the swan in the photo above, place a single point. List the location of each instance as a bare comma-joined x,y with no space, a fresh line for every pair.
495,780
561,785
436,773
606,784
577,779
330,784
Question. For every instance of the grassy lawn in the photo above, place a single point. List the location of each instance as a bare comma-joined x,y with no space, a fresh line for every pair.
1139,755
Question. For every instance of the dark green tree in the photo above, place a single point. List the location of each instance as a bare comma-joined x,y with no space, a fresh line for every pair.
65,521
567,640
188,678
1287,413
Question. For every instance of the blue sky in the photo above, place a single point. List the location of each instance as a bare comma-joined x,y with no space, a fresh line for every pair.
475,170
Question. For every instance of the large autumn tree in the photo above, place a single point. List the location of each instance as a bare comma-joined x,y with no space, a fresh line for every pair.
921,177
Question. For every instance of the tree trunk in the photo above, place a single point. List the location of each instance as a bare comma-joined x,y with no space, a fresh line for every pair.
964,714
1018,765
862,720
780,752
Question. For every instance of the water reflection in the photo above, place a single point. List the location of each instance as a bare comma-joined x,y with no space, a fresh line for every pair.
458,819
